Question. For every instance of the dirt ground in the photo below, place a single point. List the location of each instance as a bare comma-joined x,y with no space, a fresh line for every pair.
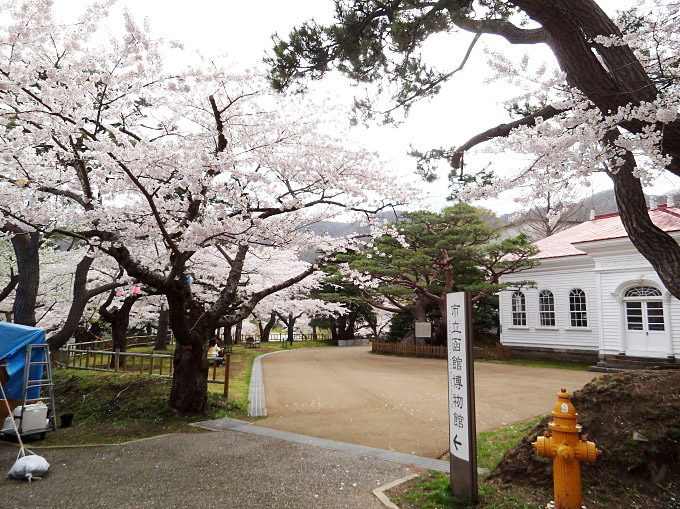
397,403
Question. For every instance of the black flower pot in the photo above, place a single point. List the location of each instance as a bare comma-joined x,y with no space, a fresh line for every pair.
65,420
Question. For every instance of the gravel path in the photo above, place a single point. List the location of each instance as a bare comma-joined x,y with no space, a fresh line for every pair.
201,470
397,403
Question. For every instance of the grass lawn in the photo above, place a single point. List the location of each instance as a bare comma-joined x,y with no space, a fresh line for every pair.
432,490
538,363
116,407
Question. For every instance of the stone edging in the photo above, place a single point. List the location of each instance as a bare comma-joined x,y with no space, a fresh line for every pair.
257,406
380,491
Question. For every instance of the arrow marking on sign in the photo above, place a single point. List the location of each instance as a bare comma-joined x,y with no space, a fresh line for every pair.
456,443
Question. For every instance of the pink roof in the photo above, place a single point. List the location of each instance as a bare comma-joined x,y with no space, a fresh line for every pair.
604,227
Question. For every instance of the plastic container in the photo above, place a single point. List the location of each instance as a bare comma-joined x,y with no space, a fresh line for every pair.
35,419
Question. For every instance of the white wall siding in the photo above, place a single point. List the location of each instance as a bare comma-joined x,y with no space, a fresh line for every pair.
618,273
675,324
564,337
604,273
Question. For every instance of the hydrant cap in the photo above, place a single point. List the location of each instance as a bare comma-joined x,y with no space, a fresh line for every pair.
563,407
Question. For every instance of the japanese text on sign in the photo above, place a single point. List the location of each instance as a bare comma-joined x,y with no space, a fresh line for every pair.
458,376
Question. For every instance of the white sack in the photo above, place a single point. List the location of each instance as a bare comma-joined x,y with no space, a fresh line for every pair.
29,467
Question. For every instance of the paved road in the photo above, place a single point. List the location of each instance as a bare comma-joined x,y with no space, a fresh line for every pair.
221,470
397,403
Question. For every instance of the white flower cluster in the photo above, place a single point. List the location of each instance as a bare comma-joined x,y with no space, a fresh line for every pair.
565,150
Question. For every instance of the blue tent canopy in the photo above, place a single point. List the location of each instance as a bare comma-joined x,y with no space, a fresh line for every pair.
14,340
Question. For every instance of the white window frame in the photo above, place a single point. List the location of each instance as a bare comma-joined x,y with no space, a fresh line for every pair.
547,317
578,314
649,294
518,315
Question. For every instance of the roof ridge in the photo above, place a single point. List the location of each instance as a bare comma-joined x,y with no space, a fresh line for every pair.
607,227
667,210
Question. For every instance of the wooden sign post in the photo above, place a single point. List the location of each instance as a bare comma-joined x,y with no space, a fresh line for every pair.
462,427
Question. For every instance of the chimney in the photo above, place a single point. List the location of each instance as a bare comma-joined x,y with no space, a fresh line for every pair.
652,203
592,214
669,201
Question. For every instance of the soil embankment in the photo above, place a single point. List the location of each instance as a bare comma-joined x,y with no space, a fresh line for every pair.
634,419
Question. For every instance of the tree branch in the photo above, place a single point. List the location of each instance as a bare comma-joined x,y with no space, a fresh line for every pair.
500,131
511,32
14,280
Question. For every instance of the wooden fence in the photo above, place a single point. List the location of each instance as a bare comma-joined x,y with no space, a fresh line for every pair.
406,349
144,363
297,336
107,344
132,341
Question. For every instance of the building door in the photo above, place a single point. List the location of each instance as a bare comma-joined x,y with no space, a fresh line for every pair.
645,322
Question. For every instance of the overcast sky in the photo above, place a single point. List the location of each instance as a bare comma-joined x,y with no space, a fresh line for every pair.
242,31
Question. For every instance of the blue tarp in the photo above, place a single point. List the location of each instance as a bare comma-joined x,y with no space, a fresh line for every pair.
13,345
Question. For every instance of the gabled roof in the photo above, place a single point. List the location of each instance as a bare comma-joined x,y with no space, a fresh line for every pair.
608,226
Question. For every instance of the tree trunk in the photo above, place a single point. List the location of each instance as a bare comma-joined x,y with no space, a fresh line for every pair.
420,310
189,393
266,330
345,327
26,248
162,334
612,78
119,335
80,298
120,321
314,337
291,325
238,332
227,336
659,248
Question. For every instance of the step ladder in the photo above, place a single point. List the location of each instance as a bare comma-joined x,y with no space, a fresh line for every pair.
33,352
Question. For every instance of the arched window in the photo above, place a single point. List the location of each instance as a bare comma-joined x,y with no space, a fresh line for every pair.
519,308
578,310
546,308
642,291
644,309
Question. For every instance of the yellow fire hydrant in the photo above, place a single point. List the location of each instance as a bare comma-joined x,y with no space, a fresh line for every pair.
565,444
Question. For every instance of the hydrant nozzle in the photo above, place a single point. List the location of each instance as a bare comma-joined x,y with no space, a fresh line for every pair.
565,444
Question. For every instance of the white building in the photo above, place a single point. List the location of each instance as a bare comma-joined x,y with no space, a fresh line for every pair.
596,298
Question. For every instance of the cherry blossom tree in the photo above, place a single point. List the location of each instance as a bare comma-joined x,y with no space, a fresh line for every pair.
296,302
8,276
545,214
73,280
116,310
67,281
158,170
612,105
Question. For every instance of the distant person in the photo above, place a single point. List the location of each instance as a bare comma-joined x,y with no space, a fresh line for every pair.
213,349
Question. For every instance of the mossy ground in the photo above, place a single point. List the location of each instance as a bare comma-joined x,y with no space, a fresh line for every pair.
116,407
